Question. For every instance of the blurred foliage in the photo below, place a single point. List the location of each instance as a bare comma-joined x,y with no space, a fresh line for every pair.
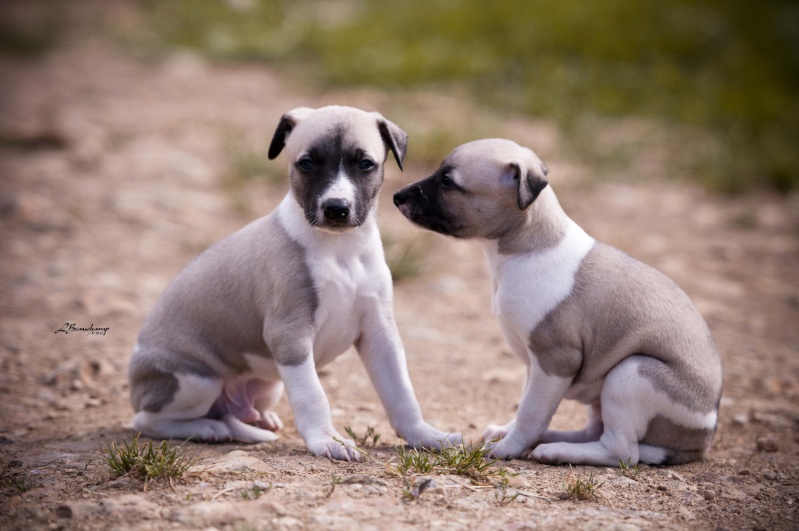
30,30
729,67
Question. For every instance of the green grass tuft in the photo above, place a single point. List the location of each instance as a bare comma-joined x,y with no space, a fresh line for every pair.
406,259
469,461
628,468
147,459
575,487
370,437
331,487
728,69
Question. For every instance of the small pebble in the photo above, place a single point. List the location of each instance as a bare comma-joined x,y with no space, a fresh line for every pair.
768,443
63,511
744,472
709,495
741,419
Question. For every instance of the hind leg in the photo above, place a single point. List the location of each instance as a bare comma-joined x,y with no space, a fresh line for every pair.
641,423
591,432
184,416
626,408
187,416
264,403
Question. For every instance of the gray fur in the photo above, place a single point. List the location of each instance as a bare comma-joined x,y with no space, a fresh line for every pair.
683,444
151,389
619,310
496,207
620,307
237,297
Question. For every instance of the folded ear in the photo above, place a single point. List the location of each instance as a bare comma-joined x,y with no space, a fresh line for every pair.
530,180
287,123
394,138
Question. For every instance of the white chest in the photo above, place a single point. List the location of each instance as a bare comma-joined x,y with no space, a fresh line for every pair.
529,286
346,268
337,320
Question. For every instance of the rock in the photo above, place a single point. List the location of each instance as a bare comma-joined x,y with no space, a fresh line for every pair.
287,522
768,443
64,511
204,514
772,420
131,506
235,462
122,483
92,402
709,495
741,419
46,396
423,485
685,513
80,510
363,479
670,474
84,371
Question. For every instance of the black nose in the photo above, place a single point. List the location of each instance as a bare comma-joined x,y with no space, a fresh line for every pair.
336,209
399,198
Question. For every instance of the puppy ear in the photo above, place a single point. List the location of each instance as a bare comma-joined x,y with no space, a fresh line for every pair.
394,138
529,182
287,123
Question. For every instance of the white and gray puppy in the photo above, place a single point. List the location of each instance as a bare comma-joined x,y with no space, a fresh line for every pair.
272,303
591,323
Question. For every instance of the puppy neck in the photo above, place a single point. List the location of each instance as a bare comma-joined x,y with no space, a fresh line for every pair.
292,217
543,225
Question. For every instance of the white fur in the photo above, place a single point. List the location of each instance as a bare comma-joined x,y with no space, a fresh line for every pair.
342,188
312,412
354,292
540,399
344,267
193,399
527,288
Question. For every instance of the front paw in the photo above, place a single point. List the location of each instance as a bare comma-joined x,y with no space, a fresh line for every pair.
427,436
550,453
504,449
335,447
495,432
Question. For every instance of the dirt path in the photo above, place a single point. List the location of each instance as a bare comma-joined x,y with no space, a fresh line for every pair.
116,173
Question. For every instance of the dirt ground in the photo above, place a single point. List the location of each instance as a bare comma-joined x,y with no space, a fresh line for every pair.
116,172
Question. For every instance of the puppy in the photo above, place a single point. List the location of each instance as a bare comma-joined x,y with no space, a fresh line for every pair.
590,323
269,305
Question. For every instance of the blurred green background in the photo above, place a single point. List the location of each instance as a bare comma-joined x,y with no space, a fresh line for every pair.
721,75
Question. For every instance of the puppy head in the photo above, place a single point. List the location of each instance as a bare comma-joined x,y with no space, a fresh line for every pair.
481,190
336,160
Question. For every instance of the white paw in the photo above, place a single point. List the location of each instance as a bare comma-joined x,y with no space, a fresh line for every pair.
550,453
213,431
427,436
338,448
494,432
504,449
270,421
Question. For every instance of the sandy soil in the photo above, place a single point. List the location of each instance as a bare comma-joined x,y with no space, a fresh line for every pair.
117,173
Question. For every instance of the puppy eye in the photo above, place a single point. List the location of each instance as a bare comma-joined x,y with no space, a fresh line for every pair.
366,164
446,181
305,164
